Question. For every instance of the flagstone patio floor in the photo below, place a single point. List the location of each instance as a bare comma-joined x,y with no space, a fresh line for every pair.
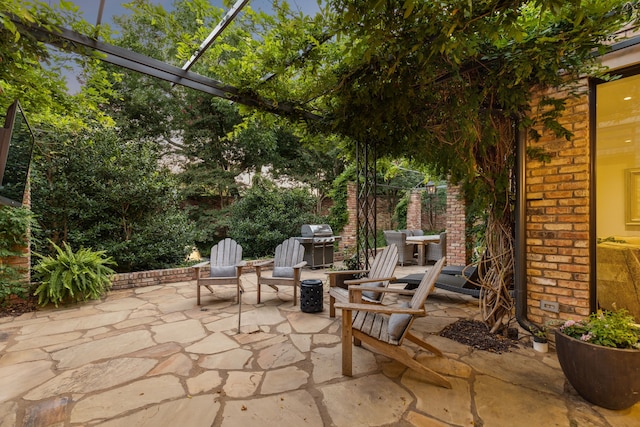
151,357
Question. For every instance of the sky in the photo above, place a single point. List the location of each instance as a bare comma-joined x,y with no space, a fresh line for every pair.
89,10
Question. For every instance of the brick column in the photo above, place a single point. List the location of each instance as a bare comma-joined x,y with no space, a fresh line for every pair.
457,253
23,261
414,211
350,230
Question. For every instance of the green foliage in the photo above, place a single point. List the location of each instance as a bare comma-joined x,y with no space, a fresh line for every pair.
72,276
34,74
97,190
14,226
338,213
400,211
267,215
434,205
606,328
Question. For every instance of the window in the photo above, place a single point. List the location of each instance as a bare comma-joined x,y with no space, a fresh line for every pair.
617,194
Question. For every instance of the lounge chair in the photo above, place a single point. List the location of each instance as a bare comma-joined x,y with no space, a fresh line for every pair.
460,279
225,268
384,328
287,265
379,275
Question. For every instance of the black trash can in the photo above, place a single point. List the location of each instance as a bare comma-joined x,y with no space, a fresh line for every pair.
311,296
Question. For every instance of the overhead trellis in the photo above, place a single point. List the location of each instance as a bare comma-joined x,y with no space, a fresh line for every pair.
366,157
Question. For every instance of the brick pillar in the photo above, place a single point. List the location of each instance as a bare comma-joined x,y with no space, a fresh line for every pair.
350,230
414,211
23,261
457,253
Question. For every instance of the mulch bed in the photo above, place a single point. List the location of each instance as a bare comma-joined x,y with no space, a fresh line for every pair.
477,335
18,306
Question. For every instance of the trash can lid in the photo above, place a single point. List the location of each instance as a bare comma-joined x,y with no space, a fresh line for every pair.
311,282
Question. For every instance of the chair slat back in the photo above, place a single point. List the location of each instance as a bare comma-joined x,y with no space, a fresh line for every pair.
384,263
288,253
226,252
426,285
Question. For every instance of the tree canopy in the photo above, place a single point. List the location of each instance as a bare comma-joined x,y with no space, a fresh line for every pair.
447,83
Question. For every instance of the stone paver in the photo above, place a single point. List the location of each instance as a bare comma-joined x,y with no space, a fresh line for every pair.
105,348
109,404
93,377
376,399
296,408
198,411
284,379
151,357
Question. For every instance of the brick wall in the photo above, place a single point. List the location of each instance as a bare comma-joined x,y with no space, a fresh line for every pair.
557,219
414,211
384,212
23,262
457,253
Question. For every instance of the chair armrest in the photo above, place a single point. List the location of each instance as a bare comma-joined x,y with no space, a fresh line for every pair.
242,263
379,309
300,264
263,263
387,290
201,264
369,280
344,272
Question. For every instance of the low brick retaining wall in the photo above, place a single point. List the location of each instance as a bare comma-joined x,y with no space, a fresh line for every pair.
141,279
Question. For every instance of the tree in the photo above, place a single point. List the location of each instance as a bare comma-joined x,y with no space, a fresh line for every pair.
211,142
267,215
449,84
96,190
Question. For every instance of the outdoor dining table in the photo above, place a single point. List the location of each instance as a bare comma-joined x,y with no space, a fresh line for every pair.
421,242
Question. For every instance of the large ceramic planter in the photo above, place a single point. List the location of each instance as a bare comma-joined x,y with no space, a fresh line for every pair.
608,377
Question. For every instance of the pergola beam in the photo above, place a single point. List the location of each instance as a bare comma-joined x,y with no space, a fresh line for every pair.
70,40
226,20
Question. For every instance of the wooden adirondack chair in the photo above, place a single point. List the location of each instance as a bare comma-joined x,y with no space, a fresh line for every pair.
385,327
380,274
225,267
287,265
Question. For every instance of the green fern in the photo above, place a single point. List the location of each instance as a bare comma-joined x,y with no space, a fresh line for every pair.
71,277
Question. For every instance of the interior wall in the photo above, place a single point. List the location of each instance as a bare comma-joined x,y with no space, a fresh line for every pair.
617,155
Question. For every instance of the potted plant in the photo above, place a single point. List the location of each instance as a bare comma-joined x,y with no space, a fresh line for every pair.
600,356
540,339
351,268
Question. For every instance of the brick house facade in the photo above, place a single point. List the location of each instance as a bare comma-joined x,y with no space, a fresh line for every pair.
560,209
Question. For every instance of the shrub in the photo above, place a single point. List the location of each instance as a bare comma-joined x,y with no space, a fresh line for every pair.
267,215
14,225
97,190
72,276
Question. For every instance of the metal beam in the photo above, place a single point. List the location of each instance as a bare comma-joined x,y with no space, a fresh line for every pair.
366,191
226,20
70,40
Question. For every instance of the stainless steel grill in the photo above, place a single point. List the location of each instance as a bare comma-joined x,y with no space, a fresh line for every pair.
317,240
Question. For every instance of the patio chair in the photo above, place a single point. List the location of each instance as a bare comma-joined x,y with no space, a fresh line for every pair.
379,275
399,238
384,328
225,268
287,265
435,251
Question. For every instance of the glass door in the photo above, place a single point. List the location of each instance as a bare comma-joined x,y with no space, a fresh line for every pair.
617,191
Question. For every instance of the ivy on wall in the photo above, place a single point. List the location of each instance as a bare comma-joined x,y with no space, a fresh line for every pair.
14,226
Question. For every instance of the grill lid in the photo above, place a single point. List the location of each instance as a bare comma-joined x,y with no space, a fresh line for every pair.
316,230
